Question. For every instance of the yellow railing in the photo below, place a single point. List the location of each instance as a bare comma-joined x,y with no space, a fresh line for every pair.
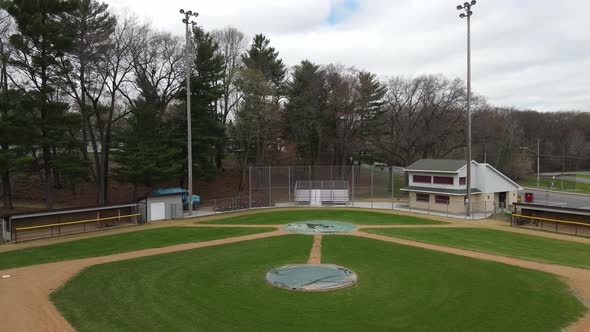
552,220
76,222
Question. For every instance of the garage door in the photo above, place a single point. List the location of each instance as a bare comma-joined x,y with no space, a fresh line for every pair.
157,211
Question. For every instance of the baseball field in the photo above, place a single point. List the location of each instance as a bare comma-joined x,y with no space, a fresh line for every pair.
209,275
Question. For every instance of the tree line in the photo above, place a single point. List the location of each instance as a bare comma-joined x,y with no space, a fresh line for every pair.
87,94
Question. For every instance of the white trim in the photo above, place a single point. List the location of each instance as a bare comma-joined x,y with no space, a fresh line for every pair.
437,192
431,171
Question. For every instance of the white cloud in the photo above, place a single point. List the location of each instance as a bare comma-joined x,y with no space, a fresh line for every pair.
528,54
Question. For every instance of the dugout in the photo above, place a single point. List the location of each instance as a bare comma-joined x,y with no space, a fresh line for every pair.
553,218
53,223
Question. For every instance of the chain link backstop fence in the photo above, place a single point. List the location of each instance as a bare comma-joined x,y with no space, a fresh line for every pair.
364,186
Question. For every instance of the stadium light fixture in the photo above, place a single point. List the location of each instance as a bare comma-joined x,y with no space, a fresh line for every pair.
466,7
186,21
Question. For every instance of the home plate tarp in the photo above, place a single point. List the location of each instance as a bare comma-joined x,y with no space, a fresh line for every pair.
319,227
312,277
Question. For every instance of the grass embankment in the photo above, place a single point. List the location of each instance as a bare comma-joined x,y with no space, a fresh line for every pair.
400,288
352,216
516,245
119,243
556,184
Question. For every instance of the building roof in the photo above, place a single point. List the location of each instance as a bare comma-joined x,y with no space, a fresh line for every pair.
451,192
50,212
549,208
437,165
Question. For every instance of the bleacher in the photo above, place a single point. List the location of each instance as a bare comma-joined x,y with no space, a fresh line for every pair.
318,193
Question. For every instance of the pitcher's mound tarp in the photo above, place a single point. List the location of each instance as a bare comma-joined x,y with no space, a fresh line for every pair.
311,277
319,227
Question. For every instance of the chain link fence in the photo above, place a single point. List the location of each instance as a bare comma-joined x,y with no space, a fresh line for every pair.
364,186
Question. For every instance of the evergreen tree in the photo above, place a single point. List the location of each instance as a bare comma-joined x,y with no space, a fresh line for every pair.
41,40
208,131
304,118
370,104
16,137
146,151
262,83
265,59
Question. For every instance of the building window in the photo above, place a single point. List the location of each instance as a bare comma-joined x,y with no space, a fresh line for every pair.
462,181
444,180
422,179
422,198
438,199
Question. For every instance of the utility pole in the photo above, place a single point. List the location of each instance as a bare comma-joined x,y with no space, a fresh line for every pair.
538,161
467,8
187,20
485,152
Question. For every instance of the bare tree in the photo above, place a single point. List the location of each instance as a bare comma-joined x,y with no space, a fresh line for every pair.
116,69
232,44
424,118
93,27
158,67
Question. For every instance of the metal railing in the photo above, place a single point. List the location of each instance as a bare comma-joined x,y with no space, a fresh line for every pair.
551,225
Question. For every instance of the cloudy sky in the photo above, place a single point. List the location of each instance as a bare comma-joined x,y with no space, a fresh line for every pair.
526,53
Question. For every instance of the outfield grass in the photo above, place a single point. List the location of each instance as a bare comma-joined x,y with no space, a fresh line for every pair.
400,288
555,184
516,245
352,216
114,244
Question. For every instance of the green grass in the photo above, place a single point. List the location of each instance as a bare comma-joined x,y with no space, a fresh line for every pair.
523,246
585,176
400,288
113,244
555,184
355,217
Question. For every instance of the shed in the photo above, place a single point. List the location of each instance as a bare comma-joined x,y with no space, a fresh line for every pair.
162,204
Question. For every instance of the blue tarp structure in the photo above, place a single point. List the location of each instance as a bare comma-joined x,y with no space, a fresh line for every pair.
170,191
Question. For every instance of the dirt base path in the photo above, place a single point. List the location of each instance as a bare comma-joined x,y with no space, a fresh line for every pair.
578,279
25,296
315,256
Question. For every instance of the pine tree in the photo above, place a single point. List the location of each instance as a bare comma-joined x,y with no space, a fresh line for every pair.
304,118
265,59
208,131
262,84
41,40
145,149
17,131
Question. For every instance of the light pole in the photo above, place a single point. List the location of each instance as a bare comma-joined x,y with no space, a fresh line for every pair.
467,8
187,20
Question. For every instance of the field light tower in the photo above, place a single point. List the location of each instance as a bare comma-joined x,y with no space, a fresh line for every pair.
466,7
187,20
